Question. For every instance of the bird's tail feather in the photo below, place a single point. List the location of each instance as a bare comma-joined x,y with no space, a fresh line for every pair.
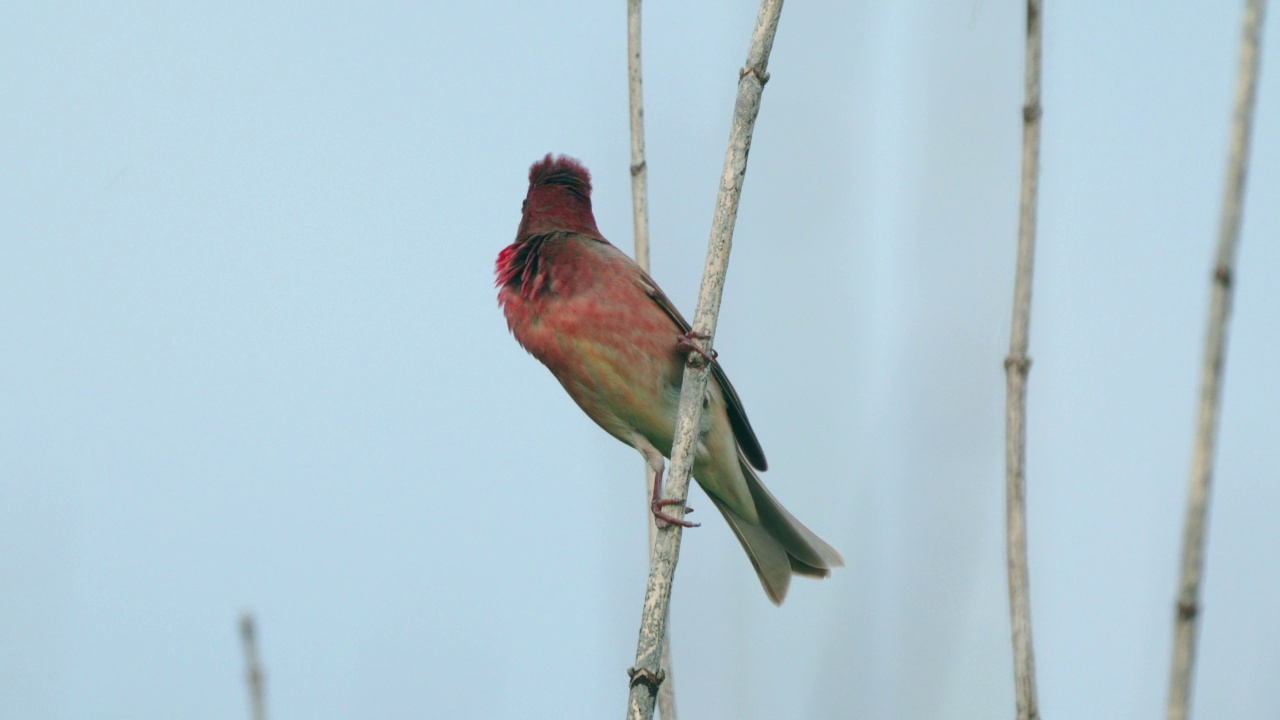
780,545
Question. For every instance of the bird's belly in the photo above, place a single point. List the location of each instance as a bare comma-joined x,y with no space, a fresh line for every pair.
626,378
622,370
621,389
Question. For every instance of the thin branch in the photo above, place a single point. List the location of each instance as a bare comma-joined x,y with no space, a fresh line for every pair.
1016,365
639,168
1215,348
640,214
647,675
253,674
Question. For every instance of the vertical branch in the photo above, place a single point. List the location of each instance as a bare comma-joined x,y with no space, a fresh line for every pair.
640,215
1215,349
639,169
1016,365
252,667
646,676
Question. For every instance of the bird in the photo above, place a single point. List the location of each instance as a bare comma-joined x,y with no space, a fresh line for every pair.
619,347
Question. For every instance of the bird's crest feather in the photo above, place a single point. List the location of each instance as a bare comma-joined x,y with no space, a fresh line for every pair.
563,171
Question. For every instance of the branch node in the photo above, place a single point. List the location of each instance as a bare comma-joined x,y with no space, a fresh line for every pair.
1187,609
646,677
762,77
1031,113
1222,276
1022,364
639,167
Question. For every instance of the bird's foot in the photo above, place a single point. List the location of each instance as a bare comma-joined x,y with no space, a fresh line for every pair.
685,342
656,504
664,519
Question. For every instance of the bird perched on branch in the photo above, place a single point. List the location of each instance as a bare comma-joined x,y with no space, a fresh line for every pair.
615,342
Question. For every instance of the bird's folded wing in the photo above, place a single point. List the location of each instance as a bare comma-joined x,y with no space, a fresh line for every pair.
742,431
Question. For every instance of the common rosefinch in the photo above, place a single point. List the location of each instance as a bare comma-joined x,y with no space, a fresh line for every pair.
619,347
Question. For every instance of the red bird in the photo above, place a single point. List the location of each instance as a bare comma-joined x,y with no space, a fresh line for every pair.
618,346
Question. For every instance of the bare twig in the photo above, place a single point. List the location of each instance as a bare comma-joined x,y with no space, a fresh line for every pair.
640,215
253,674
647,675
639,168
1016,365
1215,348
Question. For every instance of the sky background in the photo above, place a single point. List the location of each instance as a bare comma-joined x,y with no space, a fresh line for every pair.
251,358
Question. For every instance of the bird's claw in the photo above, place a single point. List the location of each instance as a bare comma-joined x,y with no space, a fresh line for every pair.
685,342
657,502
664,519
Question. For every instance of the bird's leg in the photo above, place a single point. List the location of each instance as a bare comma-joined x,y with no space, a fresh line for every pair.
684,341
658,503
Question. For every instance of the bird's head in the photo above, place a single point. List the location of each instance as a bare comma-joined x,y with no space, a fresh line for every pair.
559,199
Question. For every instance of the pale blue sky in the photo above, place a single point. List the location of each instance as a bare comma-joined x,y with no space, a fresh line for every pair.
252,358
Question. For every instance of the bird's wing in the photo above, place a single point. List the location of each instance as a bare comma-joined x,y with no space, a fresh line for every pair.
742,431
